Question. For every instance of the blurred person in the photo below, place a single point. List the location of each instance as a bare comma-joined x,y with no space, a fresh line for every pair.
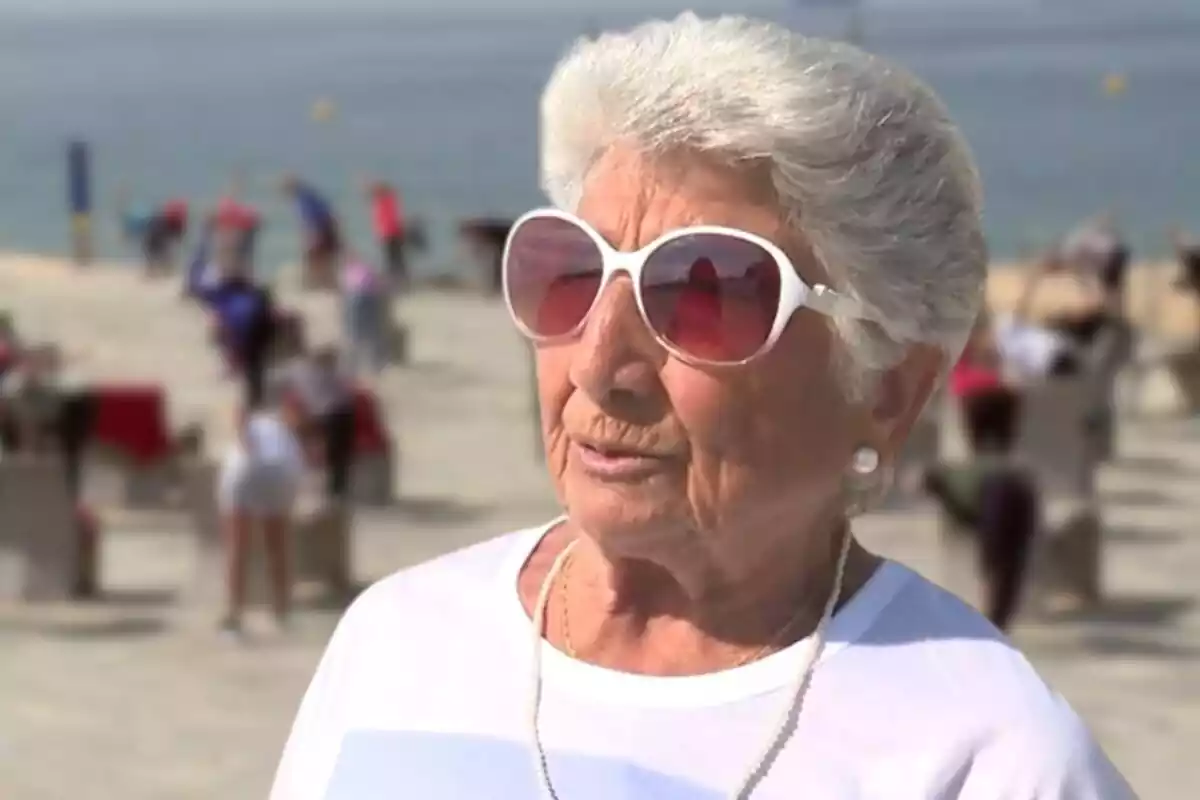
702,621
259,480
1090,340
1097,251
365,306
990,497
325,391
1028,349
245,222
243,311
1066,342
159,231
322,234
10,360
33,399
485,237
44,409
1187,252
980,366
391,229
10,345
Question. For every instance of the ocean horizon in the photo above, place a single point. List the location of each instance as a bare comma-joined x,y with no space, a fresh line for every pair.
1069,111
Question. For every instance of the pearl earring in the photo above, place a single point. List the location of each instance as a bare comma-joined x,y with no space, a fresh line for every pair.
865,461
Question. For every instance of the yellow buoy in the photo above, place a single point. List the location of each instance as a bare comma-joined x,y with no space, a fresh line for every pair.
1115,83
323,110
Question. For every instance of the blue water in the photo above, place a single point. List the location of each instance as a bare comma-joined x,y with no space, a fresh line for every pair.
447,108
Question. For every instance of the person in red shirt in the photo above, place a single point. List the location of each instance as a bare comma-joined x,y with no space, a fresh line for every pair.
245,222
387,218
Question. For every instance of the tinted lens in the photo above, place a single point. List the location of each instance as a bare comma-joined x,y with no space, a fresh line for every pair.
712,296
552,274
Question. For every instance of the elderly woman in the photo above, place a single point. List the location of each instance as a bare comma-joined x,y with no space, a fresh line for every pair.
765,251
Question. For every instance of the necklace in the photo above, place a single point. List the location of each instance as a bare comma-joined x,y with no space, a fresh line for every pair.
783,729
565,621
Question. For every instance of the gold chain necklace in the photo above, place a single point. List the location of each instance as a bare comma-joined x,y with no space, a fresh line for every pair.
564,581
782,731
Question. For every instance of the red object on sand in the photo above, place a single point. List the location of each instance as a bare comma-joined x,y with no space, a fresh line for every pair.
370,436
133,420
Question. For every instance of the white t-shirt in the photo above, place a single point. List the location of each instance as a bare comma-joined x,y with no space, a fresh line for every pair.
424,693
268,442
1028,350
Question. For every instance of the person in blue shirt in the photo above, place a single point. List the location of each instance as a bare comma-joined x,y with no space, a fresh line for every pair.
322,234
244,311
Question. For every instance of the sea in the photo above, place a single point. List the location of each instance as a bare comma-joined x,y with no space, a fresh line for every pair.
1071,107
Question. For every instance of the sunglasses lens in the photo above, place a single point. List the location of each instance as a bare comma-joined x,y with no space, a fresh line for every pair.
552,273
712,296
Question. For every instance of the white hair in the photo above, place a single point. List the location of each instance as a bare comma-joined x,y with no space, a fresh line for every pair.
864,158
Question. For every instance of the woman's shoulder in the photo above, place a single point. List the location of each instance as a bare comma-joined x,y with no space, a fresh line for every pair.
947,669
451,580
946,649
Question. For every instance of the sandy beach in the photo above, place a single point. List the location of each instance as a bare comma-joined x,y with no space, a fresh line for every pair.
208,721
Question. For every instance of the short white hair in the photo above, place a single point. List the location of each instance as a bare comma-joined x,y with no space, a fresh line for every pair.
863,157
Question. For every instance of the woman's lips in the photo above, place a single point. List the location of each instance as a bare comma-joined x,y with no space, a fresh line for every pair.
615,463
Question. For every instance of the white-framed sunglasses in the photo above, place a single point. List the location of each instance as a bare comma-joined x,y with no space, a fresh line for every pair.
709,294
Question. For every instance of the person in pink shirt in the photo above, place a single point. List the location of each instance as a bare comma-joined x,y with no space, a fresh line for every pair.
364,307
391,230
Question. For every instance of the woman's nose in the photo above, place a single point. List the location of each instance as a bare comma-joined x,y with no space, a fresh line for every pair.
616,358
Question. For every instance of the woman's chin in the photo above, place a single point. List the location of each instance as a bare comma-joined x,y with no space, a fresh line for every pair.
620,516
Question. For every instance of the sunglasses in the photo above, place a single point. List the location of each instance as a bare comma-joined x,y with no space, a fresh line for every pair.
711,295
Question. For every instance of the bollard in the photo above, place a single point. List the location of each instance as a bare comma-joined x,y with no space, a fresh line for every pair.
79,200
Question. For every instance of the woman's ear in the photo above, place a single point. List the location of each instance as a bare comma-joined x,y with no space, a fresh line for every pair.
902,393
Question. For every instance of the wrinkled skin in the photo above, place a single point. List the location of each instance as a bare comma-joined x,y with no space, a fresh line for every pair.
734,533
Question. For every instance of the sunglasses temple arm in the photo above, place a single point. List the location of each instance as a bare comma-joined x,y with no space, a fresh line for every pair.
827,301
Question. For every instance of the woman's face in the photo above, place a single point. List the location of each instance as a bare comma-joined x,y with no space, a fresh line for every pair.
762,444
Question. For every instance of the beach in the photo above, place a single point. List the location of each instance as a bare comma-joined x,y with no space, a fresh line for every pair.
149,688
200,719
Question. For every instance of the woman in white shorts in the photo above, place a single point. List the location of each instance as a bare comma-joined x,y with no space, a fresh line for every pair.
259,480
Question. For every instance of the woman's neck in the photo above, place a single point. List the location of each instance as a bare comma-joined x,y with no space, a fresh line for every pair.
635,615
